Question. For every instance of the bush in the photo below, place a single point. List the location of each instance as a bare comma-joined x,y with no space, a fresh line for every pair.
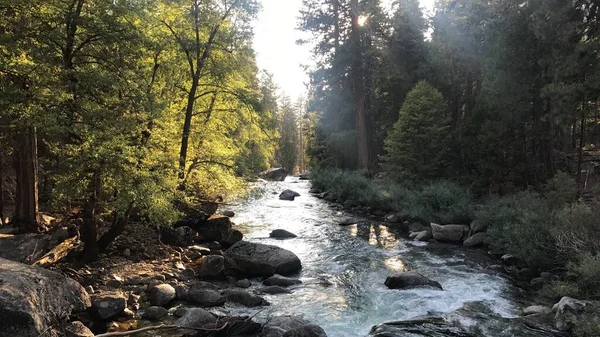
443,202
586,274
520,225
348,185
588,328
560,190
577,230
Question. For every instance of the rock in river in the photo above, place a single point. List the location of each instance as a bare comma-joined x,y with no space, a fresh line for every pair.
162,294
282,281
244,298
210,266
291,326
195,318
263,260
109,304
450,233
281,234
409,280
288,195
33,300
274,174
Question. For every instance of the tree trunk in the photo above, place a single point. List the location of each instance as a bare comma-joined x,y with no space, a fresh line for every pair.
1,193
580,151
116,229
189,111
89,230
26,165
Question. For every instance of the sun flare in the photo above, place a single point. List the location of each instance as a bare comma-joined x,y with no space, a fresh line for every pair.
362,20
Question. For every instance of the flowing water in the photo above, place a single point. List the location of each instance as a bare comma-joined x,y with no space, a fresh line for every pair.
344,268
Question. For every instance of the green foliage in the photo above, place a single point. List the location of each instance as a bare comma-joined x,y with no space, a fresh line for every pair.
443,202
347,185
586,274
520,225
590,327
417,148
560,190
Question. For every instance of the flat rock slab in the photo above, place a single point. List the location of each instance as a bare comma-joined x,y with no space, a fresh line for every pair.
33,300
263,260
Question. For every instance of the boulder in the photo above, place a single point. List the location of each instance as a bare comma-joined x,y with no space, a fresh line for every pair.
392,218
274,174
263,260
162,294
195,318
216,228
233,236
109,304
423,236
281,234
509,260
567,312
450,233
181,292
205,297
476,240
227,213
210,266
154,313
305,176
537,309
282,281
34,300
77,329
291,326
274,290
410,280
244,298
315,190
288,195
244,283
181,236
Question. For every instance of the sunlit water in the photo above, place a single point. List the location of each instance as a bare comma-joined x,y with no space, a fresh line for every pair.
344,268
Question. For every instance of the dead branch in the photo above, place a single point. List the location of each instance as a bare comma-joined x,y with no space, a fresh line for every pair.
58,252
158,327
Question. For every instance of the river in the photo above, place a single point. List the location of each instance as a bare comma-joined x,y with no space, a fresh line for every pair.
344,268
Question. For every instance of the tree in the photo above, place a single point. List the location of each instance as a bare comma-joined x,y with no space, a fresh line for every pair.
418,146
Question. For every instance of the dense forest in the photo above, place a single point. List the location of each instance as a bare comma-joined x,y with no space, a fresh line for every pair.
519,85
114,107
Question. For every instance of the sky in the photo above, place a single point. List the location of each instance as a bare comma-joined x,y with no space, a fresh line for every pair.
275,45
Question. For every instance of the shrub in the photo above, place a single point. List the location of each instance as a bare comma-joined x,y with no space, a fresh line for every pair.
589,327
559,289
443,202
560,190
348,185
577,230
520,225
586,274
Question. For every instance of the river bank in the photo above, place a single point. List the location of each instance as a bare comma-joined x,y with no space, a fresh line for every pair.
342,288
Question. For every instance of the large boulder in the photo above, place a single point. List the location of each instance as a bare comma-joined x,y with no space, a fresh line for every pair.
205,296
263,260
216,228
569,311
288,195
233,236
450,233
109,304
274,174
291,326
210,266
34,300
409,280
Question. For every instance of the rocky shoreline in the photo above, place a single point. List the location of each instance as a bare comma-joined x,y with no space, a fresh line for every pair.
198,274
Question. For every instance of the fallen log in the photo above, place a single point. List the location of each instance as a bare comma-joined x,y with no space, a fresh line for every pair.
58,252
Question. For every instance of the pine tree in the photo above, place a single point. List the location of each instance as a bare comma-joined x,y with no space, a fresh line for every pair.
417,147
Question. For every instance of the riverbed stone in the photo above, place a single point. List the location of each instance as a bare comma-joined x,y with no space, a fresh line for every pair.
291,326
228,213
162,294
244,298
281,234
274,174
282,281
154,313
288,195
410,280
349,221
567,312
233,236
195,318
33,299
263,260
274,290
449,233
210,266
77,329
476,240
423,236
216,228
243,283
205,297
536,309
109,304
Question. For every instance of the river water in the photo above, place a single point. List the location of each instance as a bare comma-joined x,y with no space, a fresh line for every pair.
344,268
